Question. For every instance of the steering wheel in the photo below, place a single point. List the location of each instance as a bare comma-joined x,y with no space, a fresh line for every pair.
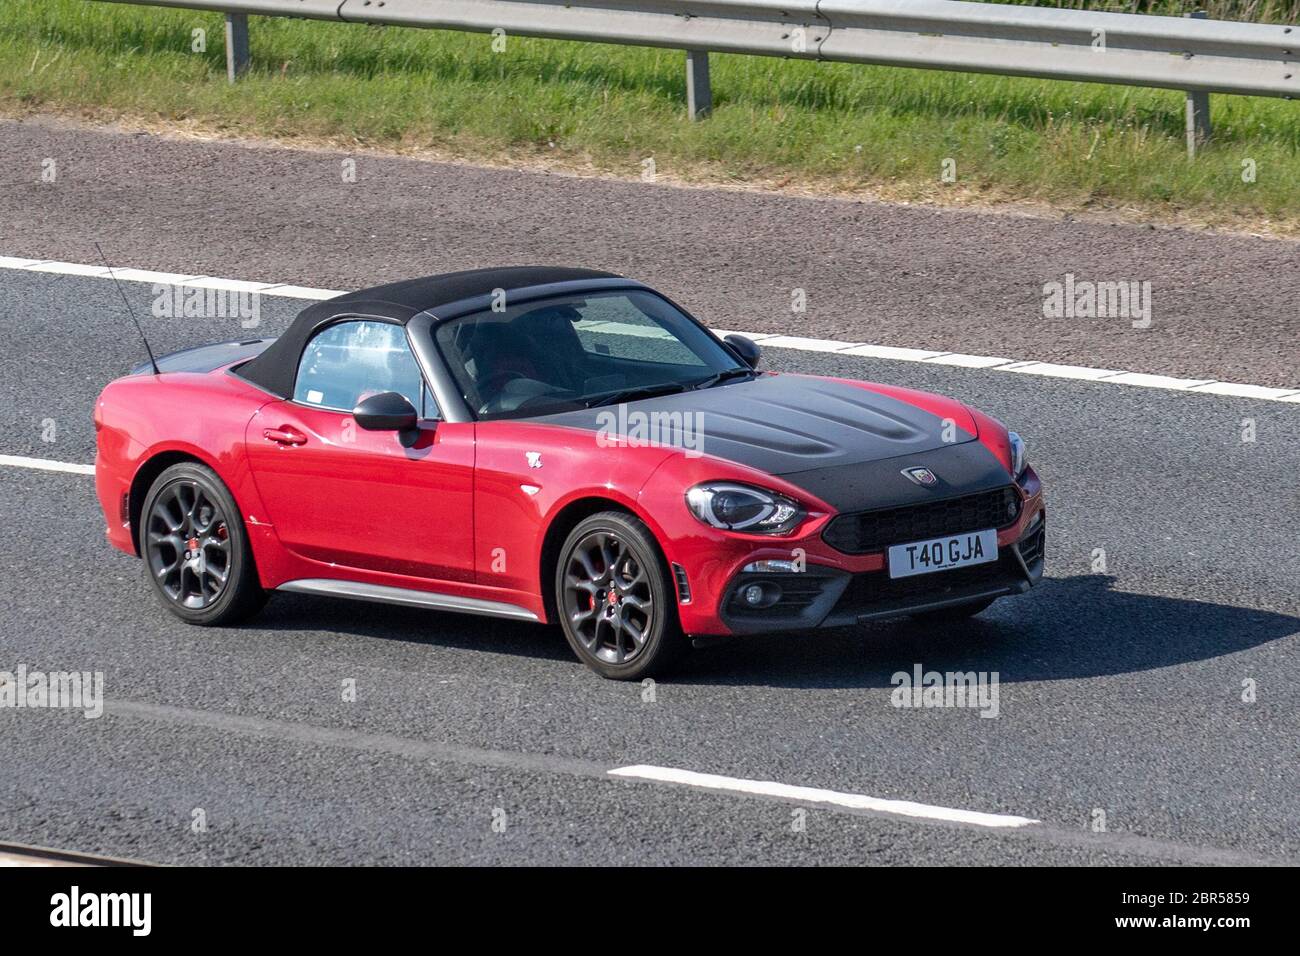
490,388
544,397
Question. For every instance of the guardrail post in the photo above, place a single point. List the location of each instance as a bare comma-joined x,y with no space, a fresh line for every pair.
1198,110
236,45
699,95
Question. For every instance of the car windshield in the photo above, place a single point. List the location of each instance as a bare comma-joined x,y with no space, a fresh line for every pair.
577,351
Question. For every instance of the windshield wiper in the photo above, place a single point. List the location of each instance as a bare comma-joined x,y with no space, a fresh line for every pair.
724,376
633,394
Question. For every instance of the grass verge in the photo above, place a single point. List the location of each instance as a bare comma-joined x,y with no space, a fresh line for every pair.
820,127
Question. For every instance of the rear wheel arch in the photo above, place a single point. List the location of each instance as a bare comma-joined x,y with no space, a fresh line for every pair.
144,478
195,546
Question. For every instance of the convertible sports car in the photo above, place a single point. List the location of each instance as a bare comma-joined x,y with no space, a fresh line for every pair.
556,445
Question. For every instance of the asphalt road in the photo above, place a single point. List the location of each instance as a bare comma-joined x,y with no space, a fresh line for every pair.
1222,307
1120,692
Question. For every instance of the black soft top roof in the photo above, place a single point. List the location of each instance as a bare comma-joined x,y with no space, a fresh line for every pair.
276,368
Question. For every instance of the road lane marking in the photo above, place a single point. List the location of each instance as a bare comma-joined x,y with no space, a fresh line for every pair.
1061,371
798,343
785,791
458,753
436,752
189,280
45,464
432,753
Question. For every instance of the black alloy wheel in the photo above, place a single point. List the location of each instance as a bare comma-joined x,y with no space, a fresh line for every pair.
195,548
615,601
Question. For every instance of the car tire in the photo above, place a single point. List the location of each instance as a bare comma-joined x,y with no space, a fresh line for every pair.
958,612
635,633
216,582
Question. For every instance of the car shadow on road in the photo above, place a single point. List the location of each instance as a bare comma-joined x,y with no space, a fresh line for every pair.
294,612
1066,628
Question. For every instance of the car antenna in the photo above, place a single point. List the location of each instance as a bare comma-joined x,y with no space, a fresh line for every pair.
127,305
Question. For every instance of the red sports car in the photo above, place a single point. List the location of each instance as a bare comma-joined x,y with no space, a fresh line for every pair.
556,445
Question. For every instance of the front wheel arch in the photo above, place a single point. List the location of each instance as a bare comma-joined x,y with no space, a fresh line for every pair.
619,556
565,521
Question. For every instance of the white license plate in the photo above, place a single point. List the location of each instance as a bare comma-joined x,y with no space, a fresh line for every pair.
940,554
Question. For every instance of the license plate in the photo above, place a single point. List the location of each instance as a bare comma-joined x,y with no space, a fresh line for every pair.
940,554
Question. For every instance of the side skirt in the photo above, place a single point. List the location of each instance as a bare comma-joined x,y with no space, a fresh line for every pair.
411,598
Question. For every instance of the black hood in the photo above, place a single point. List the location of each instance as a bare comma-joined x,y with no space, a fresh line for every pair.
844,444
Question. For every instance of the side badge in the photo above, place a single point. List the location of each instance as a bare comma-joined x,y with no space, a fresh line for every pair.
534,459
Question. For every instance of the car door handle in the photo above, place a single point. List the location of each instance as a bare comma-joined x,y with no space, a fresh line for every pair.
285,436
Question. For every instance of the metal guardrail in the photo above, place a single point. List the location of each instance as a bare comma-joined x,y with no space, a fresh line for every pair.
1195,55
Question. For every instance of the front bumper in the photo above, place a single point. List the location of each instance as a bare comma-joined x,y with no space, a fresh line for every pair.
835,588
829,597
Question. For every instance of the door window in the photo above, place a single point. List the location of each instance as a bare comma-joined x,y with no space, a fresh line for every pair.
349,361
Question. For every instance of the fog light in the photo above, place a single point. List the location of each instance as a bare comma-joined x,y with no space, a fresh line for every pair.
760,594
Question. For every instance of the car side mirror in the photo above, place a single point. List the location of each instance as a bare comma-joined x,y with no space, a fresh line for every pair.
385,412
748,351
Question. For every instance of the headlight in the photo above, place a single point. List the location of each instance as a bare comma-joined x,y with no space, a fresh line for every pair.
734,507
1019,459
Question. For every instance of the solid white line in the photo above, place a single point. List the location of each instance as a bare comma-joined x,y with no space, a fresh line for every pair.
966,361
189,280
299,292
1062,371
802,344
854,801
798,343
1246,391
1143,380
45,464
893,352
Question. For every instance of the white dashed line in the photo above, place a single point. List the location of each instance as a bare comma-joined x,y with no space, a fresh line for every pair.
795,342
853,801
45,464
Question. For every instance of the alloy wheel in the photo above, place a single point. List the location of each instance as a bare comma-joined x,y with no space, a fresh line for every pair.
188,543
607,597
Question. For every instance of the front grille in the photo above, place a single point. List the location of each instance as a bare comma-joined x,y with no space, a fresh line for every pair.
865,531
1031,548
876,589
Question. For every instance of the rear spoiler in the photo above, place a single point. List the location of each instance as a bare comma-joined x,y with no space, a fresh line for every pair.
206,358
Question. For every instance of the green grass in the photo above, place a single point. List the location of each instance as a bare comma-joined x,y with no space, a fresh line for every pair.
836,126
